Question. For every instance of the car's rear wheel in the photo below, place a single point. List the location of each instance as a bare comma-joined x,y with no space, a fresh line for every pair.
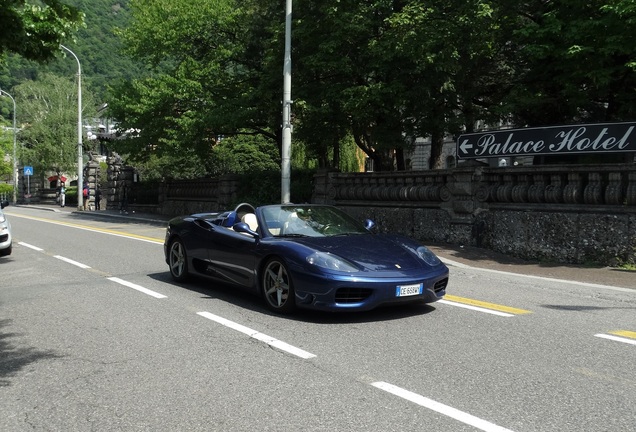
178,260
277,286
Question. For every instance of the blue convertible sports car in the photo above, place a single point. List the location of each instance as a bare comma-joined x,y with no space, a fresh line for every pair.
306,256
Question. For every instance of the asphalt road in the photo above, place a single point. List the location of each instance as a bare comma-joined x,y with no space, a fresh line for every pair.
95,336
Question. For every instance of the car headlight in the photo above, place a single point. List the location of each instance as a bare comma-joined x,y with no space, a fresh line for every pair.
330,262
429,257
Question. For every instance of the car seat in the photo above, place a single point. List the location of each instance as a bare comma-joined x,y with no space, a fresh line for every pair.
250,220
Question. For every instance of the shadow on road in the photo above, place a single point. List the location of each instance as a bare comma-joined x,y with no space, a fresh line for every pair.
246,300
13,357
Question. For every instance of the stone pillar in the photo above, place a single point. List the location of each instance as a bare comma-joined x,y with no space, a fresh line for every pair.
119,177
109,192
91,176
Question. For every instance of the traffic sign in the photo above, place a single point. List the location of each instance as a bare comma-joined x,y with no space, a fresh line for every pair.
28,170
570,139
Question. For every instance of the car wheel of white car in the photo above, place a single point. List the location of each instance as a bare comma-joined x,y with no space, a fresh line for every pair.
277,286
178,261
7,251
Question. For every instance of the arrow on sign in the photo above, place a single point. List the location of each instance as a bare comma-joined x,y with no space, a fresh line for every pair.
464,146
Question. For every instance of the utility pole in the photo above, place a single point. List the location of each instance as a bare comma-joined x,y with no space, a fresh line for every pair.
80,158
287,102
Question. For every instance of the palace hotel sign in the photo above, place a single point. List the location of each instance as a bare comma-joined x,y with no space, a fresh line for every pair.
572,139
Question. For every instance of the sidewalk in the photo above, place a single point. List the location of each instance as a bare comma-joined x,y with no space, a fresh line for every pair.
451,254
487,259
131,215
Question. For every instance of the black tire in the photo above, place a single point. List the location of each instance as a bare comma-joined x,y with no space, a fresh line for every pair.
178,260
7,251
277,287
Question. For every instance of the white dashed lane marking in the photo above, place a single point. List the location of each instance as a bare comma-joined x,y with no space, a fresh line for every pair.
258,336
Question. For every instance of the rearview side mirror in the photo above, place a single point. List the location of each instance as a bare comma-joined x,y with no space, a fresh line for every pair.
242,227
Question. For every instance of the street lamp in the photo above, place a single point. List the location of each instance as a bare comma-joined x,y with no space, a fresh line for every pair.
287,102
15,160
80,159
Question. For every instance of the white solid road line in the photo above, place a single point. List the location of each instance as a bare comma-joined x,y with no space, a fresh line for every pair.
258,336
440,408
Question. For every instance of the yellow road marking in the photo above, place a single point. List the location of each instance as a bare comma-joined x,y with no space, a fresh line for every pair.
624,333
486,305
91,228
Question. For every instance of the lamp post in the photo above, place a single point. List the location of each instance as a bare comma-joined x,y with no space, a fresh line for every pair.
15,160
80,159
287,102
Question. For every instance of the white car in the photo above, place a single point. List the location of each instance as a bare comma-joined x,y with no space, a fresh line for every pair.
5,232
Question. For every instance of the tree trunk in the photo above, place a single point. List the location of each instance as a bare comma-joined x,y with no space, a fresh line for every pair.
437,147
399,159
336,155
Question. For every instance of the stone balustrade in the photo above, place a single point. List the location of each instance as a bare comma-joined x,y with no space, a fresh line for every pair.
572,213
568,214
583,185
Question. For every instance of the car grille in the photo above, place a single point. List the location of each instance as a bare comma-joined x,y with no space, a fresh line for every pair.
352,295
4,238
440,285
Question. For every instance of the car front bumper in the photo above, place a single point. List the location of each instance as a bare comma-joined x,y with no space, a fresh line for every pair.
349,293
5,236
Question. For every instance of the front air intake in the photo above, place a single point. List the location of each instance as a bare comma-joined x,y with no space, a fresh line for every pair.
352,295
440,285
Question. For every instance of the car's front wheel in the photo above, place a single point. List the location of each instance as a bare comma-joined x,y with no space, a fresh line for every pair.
277,286
178,260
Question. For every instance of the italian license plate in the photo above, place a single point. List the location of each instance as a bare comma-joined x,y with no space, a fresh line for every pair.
408,290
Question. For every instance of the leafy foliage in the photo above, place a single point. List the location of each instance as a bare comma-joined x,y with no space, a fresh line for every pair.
94,42
6,148
6,189
48,114
35,29
267,189
368,77
576,62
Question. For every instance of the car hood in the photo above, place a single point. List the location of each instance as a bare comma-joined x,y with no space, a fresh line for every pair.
371,252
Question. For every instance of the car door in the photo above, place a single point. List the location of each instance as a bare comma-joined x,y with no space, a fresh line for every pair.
232,255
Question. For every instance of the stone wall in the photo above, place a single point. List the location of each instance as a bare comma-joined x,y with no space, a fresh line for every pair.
173,197
571,214
200,195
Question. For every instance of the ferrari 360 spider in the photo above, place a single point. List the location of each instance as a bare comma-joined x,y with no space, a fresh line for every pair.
305,256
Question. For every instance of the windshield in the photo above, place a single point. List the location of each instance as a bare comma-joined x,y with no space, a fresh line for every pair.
309,221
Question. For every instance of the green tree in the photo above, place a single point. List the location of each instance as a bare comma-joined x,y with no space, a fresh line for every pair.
245,154
204,81
48,113
448,59
345,86
380,72
35,29
95,43
574,61
6,148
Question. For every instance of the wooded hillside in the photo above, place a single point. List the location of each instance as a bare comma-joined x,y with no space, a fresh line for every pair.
96,45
